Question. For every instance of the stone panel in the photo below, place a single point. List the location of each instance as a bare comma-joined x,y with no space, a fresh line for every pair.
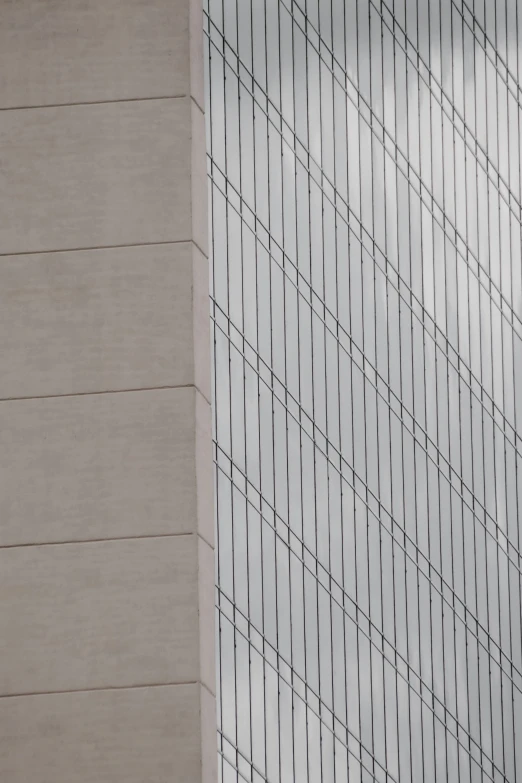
78,51
96,615
104,320
98,175
108,736
100,466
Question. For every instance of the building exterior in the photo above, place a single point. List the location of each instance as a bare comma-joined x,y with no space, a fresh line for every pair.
365,204
106,512
365,367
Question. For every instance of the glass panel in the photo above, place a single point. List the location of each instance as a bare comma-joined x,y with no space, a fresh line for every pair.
366,305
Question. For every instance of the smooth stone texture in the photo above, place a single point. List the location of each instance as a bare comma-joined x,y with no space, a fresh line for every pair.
201,324
76,51
98,175
204,470
104,320
209,756
207,613
140,735
95,615
102,293
197,52
103,466
199,179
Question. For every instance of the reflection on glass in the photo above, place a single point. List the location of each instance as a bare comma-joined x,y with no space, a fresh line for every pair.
366,298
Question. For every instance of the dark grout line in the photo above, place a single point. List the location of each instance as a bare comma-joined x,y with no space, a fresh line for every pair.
100,688
105,391
103,247
94,103
103,540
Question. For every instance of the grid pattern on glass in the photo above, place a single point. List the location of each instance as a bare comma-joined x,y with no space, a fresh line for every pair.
364,162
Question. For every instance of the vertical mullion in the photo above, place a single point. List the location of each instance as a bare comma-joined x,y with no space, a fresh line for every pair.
315,371
369,550
303,550
260,455
388,381
327,402
484,361
421,403
244,391
400,733
291,592
407,372
353,462
436,412
468,403
443,355
286,381
513,340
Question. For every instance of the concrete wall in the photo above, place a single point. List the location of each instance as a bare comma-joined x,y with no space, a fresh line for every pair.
106,509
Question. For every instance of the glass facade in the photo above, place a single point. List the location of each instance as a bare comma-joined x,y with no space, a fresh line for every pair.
364,162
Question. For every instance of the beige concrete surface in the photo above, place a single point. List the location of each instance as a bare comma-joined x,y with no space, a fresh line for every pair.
199,193
78,51
138,735
103,614
107,641
101,466
197,57
96,175
206,593
204,470
209,756
104,320
201,323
